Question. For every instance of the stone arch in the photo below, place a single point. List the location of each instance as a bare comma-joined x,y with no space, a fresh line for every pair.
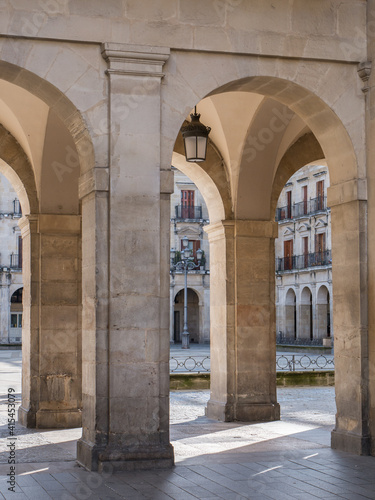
59,104
290,297
14,287
179,289
305,150
16,167
322,295
210,179
194,304
47,173
323,116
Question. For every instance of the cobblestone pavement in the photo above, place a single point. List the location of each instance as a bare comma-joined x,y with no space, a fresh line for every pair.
284,460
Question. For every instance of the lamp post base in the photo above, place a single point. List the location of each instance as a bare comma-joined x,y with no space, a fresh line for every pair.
185,339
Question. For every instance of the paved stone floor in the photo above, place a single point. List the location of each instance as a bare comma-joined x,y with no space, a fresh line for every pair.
289,459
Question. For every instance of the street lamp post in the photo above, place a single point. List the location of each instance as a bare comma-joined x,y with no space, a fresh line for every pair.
186,264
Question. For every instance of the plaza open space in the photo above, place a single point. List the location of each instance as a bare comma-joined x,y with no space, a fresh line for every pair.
280,460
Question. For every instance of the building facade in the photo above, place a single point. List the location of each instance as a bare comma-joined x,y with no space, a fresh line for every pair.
10,265
189,215
304,259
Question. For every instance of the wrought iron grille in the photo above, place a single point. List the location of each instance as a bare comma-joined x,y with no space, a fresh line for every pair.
284,362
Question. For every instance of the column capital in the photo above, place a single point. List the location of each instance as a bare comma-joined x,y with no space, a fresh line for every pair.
346,192
166,182
50,224
28,223
96,179
136,60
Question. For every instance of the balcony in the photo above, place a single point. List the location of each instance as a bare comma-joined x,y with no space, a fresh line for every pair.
299,262
188,213
302,209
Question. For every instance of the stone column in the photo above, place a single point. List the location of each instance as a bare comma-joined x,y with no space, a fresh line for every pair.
314,312
243,338
126,386
51,335
350,302
4,306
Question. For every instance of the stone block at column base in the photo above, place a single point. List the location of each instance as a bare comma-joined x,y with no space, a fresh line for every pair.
27,418
243,412
95,458
349,442
50,419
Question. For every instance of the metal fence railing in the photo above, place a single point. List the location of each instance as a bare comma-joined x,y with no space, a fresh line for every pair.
302,209
297,262
284,362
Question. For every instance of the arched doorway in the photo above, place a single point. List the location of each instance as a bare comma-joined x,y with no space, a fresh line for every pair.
323,313
16,311
193,315
41,157
287,127
290,315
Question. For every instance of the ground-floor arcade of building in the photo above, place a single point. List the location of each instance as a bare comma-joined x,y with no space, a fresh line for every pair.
96,257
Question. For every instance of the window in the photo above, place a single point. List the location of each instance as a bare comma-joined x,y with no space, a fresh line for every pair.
16,320
304,196
320,195
289,204
305,243
288,255
193,246
320,247
187,204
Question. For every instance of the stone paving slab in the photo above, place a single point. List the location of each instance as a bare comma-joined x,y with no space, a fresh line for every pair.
289,459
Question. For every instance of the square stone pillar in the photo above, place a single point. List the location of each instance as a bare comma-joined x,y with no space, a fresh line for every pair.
350,315
243,337
126,281
51,333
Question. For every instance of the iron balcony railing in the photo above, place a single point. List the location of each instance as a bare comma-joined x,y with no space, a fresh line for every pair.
15,261
302,209
298,262
192,213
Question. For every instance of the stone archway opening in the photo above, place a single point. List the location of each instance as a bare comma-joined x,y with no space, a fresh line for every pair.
287,127
43,152
16,310
290,315
193,315
323,314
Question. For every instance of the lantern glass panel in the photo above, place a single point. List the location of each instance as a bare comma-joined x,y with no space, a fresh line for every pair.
201,148
190,147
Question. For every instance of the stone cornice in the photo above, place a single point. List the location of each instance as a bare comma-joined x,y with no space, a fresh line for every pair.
135,60
96,179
